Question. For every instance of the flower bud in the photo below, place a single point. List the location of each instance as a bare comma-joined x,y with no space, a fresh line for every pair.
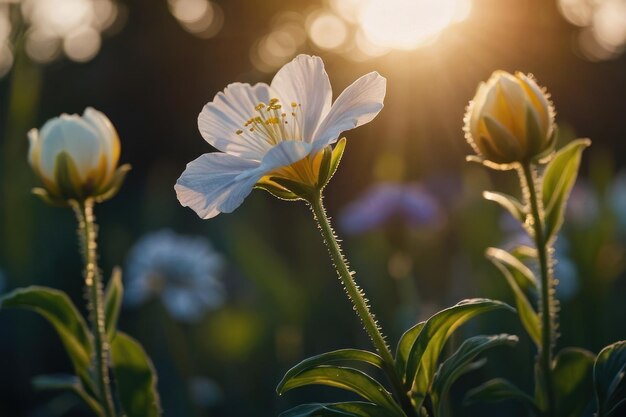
510,120
76,158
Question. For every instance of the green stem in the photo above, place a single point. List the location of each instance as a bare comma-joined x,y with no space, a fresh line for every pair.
547,313
357,297
93,280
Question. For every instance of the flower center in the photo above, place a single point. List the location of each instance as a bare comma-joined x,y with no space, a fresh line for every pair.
273,124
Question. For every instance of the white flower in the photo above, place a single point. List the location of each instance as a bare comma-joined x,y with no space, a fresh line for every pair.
182,271
510,120
273,130
76,156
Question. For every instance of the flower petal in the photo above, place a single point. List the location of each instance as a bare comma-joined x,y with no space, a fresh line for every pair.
108,135
220,120
285,153
357,105
305,82
216,183
183,304
73,135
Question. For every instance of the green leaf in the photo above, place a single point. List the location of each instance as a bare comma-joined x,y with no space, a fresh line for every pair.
114,185
573,381
558,180
342,355
405,345
510,203
67,383
56,307
520,278
135,376
496,390
345,378
347,409
608,378
457,364
524,277
425,352
524,252
113,301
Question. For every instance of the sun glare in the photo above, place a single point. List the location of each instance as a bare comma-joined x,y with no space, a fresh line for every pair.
409,24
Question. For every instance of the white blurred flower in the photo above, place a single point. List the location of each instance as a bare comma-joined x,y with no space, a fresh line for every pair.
603,23
76,157
183,271
72,27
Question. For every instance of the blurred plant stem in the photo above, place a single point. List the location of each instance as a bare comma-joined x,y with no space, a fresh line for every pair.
20,111
87,230
357,297
528,179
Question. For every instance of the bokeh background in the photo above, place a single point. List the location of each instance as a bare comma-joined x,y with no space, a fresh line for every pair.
405,201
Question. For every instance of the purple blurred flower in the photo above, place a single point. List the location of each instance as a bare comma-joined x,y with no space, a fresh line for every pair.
410,203
205,392
617,199
183,271
583,207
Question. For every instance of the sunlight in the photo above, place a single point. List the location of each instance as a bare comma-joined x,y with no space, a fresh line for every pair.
409,24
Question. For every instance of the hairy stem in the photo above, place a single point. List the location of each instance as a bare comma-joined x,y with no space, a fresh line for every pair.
528,176
93,281
357,297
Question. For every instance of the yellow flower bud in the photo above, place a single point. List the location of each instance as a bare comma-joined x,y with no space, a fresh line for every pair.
510,120
76,157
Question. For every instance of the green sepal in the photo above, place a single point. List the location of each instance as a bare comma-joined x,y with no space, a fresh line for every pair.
609,370
503,144
537,143
490,164
548,152
67,177
330,162
558,179
67,383
522,281
573,381
298,189
135,378
510,203
497,390
113,296
48,198
460,362
324,170
277,191
346,409
342,355
424,355
56,307
113,186
349,379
